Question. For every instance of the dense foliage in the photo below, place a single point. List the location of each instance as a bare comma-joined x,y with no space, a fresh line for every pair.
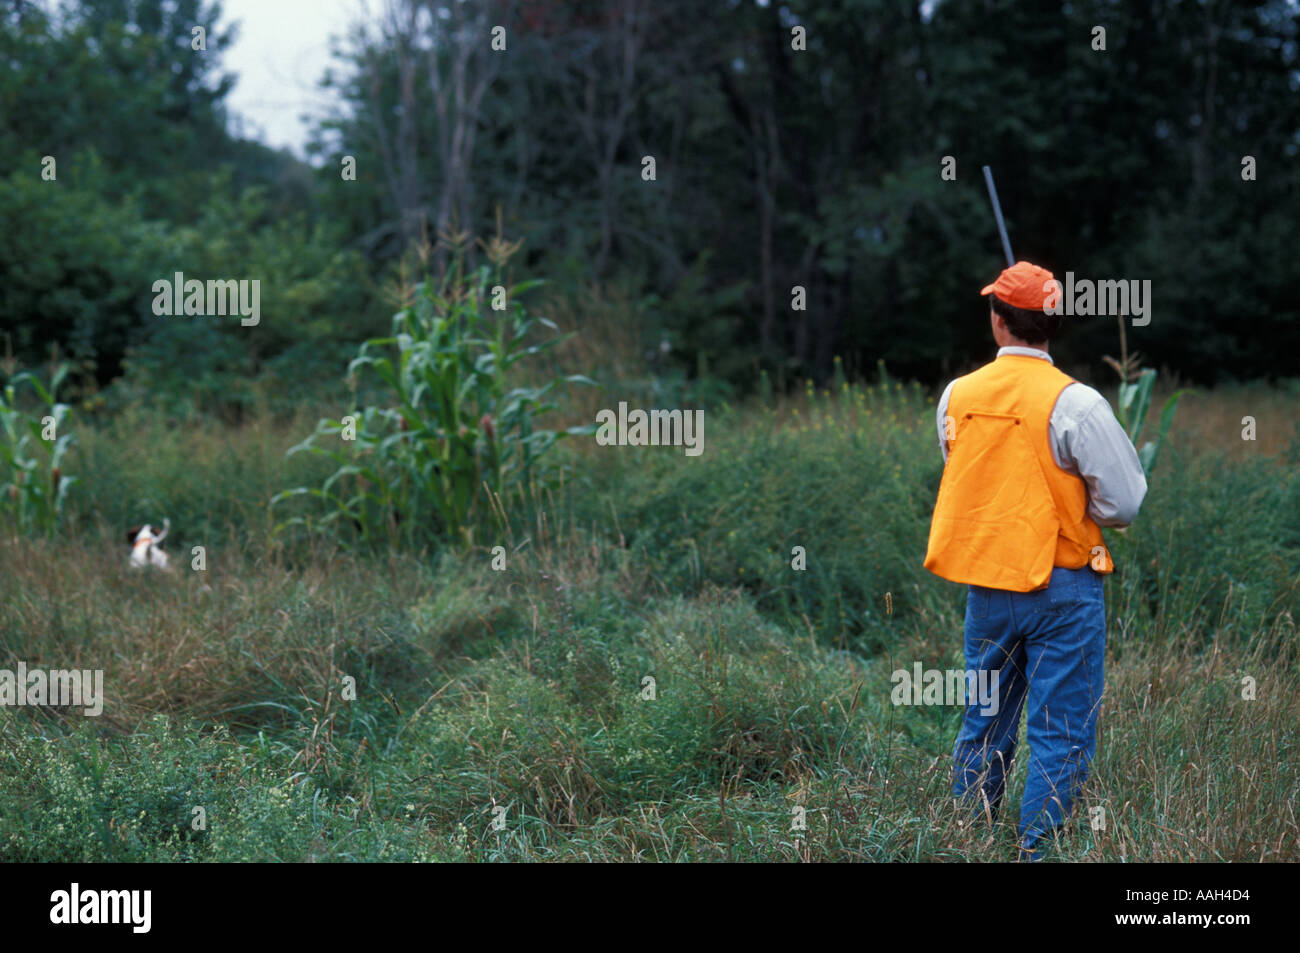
776,168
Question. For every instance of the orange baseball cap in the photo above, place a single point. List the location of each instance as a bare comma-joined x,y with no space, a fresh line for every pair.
1023,285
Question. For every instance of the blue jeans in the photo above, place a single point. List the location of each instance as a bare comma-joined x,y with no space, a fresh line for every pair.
1048,648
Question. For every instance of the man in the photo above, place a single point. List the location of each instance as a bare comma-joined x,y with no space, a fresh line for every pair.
1034,464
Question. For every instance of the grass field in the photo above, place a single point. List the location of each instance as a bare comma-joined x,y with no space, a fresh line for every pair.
479,690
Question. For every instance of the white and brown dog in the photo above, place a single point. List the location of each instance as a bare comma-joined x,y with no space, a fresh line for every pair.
146,546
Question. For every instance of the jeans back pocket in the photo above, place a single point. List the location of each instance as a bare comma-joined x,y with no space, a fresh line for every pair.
1066,590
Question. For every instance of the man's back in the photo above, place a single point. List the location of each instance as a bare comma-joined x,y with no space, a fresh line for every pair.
1007,513
1086,441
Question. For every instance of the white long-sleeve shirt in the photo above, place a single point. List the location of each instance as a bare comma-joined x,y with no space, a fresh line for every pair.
1088,442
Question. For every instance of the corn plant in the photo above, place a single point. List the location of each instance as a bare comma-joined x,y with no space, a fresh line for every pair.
32,446
453,433
1135,386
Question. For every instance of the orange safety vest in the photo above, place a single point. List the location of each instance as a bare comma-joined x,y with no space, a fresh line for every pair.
1007,513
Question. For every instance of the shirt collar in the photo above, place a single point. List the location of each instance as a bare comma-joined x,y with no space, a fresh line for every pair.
1026,352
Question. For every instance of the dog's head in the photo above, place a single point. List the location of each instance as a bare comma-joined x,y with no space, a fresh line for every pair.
138,534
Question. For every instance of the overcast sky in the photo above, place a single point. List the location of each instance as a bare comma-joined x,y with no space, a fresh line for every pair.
281,53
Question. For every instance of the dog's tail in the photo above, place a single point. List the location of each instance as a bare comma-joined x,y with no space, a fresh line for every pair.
167,524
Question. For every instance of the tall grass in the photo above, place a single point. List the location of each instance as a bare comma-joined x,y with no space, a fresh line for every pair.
524,690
